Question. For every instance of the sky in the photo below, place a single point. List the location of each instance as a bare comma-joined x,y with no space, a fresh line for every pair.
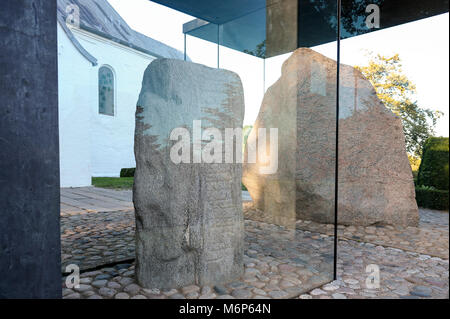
423,47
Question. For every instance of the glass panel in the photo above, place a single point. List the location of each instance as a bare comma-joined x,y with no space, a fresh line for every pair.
391,99
203,51
303,23
290,96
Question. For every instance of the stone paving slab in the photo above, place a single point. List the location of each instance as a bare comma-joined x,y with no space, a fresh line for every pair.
95,199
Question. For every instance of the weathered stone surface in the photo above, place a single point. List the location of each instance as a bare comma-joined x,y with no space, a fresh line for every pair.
375,179
189,220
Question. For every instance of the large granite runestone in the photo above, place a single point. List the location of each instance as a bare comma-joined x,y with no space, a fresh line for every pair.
375,179
189,220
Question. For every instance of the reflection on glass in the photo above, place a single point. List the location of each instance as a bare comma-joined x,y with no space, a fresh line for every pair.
384,125
290,97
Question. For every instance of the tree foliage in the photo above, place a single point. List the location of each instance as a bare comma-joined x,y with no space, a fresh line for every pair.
260,50
433,171
397,93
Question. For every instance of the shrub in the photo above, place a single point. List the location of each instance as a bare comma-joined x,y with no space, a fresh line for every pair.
415,177
433,170
127,172
429,197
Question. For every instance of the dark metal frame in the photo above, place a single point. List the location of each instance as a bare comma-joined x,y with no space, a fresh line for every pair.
336,178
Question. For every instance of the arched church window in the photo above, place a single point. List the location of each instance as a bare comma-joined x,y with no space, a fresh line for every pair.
106,91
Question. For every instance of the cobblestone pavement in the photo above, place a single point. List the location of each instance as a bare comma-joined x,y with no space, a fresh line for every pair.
92,235
278,263
91,239
402,274
431,237
428,238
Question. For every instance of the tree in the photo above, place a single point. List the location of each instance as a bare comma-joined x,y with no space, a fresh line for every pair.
397,93
260,50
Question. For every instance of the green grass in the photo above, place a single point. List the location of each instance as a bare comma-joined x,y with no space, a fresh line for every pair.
113,182
120,182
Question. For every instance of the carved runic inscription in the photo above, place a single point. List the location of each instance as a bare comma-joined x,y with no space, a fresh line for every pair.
189,220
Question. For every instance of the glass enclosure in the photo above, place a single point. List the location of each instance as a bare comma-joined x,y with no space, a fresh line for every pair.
314,135
224,149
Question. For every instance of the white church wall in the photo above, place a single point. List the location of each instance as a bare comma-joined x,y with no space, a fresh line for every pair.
93,144
112,137
76,95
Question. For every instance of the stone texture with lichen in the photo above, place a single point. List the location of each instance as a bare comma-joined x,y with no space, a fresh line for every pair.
189,220
375,179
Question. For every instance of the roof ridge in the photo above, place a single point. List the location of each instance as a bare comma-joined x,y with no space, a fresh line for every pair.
100,17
